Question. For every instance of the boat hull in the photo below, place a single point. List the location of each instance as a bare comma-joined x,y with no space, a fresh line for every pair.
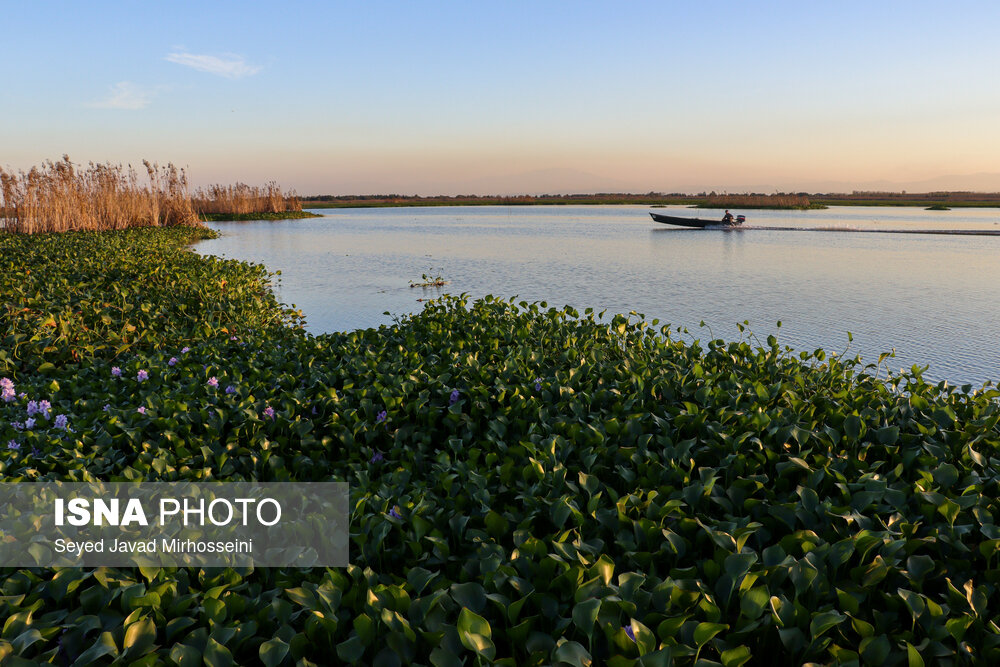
690,222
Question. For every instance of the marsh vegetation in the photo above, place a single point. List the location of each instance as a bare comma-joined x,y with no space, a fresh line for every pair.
242,201
62,196
530,485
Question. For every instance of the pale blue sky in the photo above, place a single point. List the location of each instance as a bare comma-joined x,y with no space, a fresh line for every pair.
511,97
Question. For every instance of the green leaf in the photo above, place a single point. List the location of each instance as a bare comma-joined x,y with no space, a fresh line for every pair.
351,650
139,638
26,639
705,631
853,426
946,475
957,627
572,653
217,655
913,656
736,565
735,657
470,595
644,637
185,656
475,633
441,657
754,601
585,615
272,652
824,621
950,510
104,646
888,435
875,650
913,601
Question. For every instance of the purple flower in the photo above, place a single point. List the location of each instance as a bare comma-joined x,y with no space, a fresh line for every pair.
538,384
141,409
630,632
32,408
394,514
62,422
36,452
382,416
141,376
116,372
454,397
269,412
6,383
43,408
231,389
185,350
17,426
107,407
213,382
376,458
315,411
29,423
22,395
14,444
233,338
172,362
7,387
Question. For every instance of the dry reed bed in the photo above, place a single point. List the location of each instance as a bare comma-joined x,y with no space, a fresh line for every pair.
242,199
758,201
60,196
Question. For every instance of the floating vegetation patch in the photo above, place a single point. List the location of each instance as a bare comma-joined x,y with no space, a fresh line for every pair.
529,486
429,280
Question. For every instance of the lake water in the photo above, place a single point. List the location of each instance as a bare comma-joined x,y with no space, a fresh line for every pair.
934,298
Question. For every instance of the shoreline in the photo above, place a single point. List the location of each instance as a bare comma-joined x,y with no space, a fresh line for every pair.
254,217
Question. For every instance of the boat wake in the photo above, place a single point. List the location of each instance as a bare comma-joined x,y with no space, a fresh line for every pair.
869,230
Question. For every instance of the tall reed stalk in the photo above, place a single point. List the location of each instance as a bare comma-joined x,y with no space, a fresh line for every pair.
242,199
60,197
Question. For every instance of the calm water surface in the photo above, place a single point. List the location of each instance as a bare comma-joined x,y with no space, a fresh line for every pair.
931,297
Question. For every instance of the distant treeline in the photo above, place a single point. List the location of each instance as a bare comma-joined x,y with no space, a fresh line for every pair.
333,201
794,200
875,198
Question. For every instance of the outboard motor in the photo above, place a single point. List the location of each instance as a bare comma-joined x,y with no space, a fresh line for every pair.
740,219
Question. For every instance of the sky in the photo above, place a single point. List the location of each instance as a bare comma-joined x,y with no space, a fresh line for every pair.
512,97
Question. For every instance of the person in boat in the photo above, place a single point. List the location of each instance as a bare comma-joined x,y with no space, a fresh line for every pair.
727,219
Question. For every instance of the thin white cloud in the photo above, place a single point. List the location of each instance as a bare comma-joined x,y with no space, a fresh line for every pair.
125,95
229,65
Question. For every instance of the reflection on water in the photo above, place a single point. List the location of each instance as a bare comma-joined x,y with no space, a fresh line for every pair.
932,298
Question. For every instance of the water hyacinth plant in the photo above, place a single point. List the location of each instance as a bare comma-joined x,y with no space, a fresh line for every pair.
7,393
659,502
